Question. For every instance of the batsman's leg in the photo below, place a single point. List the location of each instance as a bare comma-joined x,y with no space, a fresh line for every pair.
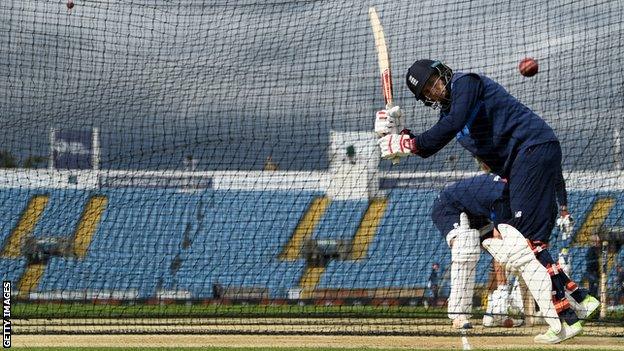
513,252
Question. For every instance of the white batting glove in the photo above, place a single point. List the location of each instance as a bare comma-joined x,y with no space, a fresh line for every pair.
565,224
387,121
396,113
396,145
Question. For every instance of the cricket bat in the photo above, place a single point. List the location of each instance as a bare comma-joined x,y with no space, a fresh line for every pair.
383,57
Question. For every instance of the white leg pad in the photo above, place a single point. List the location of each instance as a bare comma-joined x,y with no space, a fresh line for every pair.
490,303
515,297
465,252
513,253
462,289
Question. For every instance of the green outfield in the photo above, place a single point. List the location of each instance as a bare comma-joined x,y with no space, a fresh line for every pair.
89,310
83,310
199,349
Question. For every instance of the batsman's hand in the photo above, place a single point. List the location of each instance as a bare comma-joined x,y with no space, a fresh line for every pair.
388,121
396,145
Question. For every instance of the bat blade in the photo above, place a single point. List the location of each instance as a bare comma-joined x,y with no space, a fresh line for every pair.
383,57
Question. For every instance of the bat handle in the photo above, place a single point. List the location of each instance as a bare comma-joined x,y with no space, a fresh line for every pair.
395,160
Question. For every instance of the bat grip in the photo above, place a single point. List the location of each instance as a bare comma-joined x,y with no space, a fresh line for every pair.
395,160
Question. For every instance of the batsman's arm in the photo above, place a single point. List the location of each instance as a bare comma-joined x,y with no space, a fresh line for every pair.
465,97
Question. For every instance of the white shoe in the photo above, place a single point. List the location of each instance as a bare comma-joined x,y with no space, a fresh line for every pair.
461,323
567,332
587,307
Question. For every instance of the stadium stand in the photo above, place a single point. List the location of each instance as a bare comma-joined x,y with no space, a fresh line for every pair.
62,213
12,205
341,220
12,269
215,237
152,240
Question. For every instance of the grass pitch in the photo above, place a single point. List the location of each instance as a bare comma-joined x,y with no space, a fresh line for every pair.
89,310
213,349
83,310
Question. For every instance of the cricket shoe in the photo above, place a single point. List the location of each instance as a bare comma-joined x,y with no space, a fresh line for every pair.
567,332
461,323
490,321
587,307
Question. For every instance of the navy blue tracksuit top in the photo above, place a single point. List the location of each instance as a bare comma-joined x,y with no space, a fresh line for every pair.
487,121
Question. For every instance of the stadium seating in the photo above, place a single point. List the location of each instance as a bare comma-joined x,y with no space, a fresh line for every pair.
341,220
240,247
12,204
161,239
134,245
12,269
214,235
407,240
62,213
395,257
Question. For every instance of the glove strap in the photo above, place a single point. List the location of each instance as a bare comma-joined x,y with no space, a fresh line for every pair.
407,132
412,141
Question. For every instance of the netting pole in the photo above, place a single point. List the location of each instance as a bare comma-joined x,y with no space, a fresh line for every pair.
96,149
617,148
52,141
603,279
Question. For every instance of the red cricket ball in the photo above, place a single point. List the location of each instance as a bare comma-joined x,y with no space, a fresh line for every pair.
528,67
508,323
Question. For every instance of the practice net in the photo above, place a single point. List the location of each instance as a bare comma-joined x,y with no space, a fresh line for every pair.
210,166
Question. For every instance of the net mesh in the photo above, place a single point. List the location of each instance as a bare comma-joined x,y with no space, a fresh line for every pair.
209,167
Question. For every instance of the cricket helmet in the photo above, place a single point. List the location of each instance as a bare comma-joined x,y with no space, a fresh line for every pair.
419,74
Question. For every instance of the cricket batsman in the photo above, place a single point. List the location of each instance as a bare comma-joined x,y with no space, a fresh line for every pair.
515,144
479,203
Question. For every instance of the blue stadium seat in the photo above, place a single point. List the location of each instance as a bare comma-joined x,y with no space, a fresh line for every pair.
401,252
12,205
143,230
62,213
12,269
341,220
134,245
234,238
241,248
